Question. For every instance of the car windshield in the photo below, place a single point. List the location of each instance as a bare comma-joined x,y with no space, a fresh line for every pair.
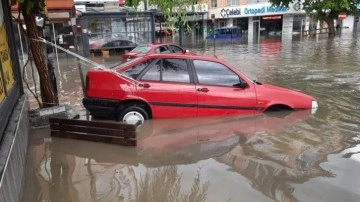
117,67
141,49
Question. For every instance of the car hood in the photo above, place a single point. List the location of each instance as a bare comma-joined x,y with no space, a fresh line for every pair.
268,94
133,54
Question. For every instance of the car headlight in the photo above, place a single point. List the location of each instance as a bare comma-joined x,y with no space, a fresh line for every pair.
314,106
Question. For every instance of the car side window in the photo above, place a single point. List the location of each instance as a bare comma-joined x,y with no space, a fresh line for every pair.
134,71
213,73
164,49
175,70
153,74
109,45
175,49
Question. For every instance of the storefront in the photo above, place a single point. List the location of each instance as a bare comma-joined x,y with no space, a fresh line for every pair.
13,113
10,80
57,30
259,19
116,32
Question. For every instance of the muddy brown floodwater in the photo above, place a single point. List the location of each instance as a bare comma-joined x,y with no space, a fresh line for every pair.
295,156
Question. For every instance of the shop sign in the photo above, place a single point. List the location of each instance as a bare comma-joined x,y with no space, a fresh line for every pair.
275,17
230,12
265,10
261,9
5,55
342,15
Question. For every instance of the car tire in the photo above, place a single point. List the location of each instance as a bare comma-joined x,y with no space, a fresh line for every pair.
133,115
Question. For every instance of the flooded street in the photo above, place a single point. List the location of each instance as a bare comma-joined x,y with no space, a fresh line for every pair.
297,156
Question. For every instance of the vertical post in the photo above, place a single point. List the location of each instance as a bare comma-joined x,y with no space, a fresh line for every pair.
213,21
21,45
153,27
74,30
56,52
180,32
160,32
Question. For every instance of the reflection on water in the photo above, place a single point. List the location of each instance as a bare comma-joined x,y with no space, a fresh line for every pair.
175,160
267,157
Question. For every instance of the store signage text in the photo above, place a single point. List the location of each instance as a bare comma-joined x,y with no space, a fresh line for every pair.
265,9
230,12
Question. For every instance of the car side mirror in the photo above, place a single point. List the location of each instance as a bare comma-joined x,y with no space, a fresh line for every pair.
186,51
241,85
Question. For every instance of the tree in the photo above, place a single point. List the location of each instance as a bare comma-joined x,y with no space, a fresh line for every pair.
324,10
29,10
171,9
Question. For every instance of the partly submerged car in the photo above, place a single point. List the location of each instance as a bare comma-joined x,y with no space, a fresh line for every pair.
116,45
230,32
181,85
142,50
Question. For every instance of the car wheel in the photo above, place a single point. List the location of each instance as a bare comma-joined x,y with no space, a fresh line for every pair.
133,115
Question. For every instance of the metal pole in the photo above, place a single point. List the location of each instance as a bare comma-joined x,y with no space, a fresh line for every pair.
180,32
160,32
21,45
74,31
56,52
213,20
57,58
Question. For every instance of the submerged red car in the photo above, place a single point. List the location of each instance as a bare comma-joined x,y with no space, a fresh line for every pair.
146,49
180,85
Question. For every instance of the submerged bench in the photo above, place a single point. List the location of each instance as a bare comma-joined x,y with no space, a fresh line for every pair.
98,131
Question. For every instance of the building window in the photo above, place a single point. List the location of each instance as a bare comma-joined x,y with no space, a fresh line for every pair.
257,1
233,2
222,23
213,3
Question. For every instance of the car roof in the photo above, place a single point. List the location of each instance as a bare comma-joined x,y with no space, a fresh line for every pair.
157,44
183,56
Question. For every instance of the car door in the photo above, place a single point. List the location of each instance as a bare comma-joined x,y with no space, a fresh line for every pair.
220,92
169,89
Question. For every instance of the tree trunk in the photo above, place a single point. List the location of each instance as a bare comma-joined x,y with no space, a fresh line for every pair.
331,27
38,53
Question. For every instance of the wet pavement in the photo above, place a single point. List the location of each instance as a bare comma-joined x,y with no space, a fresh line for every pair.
295,156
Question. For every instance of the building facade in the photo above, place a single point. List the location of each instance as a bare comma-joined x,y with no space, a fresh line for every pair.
13,113
259,17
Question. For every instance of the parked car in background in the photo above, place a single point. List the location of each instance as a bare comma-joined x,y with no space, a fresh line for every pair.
117,45
230,32
142,50
182,85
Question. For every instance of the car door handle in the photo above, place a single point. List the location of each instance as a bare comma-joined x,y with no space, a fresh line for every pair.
144,85
205,90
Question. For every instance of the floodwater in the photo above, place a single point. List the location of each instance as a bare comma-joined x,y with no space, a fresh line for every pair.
295,156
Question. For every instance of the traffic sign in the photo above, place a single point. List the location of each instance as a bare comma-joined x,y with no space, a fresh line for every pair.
342,15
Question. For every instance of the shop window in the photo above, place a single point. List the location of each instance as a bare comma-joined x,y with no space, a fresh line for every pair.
6,70
222,23
9,87
118,34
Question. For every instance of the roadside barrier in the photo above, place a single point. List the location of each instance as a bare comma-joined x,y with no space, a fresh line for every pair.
97,131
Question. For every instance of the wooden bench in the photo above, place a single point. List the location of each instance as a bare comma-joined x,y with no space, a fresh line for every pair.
98,131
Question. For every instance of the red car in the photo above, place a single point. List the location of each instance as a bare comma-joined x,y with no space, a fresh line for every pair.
153,48
181,85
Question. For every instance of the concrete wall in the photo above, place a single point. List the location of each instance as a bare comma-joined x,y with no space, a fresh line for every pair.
13,153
